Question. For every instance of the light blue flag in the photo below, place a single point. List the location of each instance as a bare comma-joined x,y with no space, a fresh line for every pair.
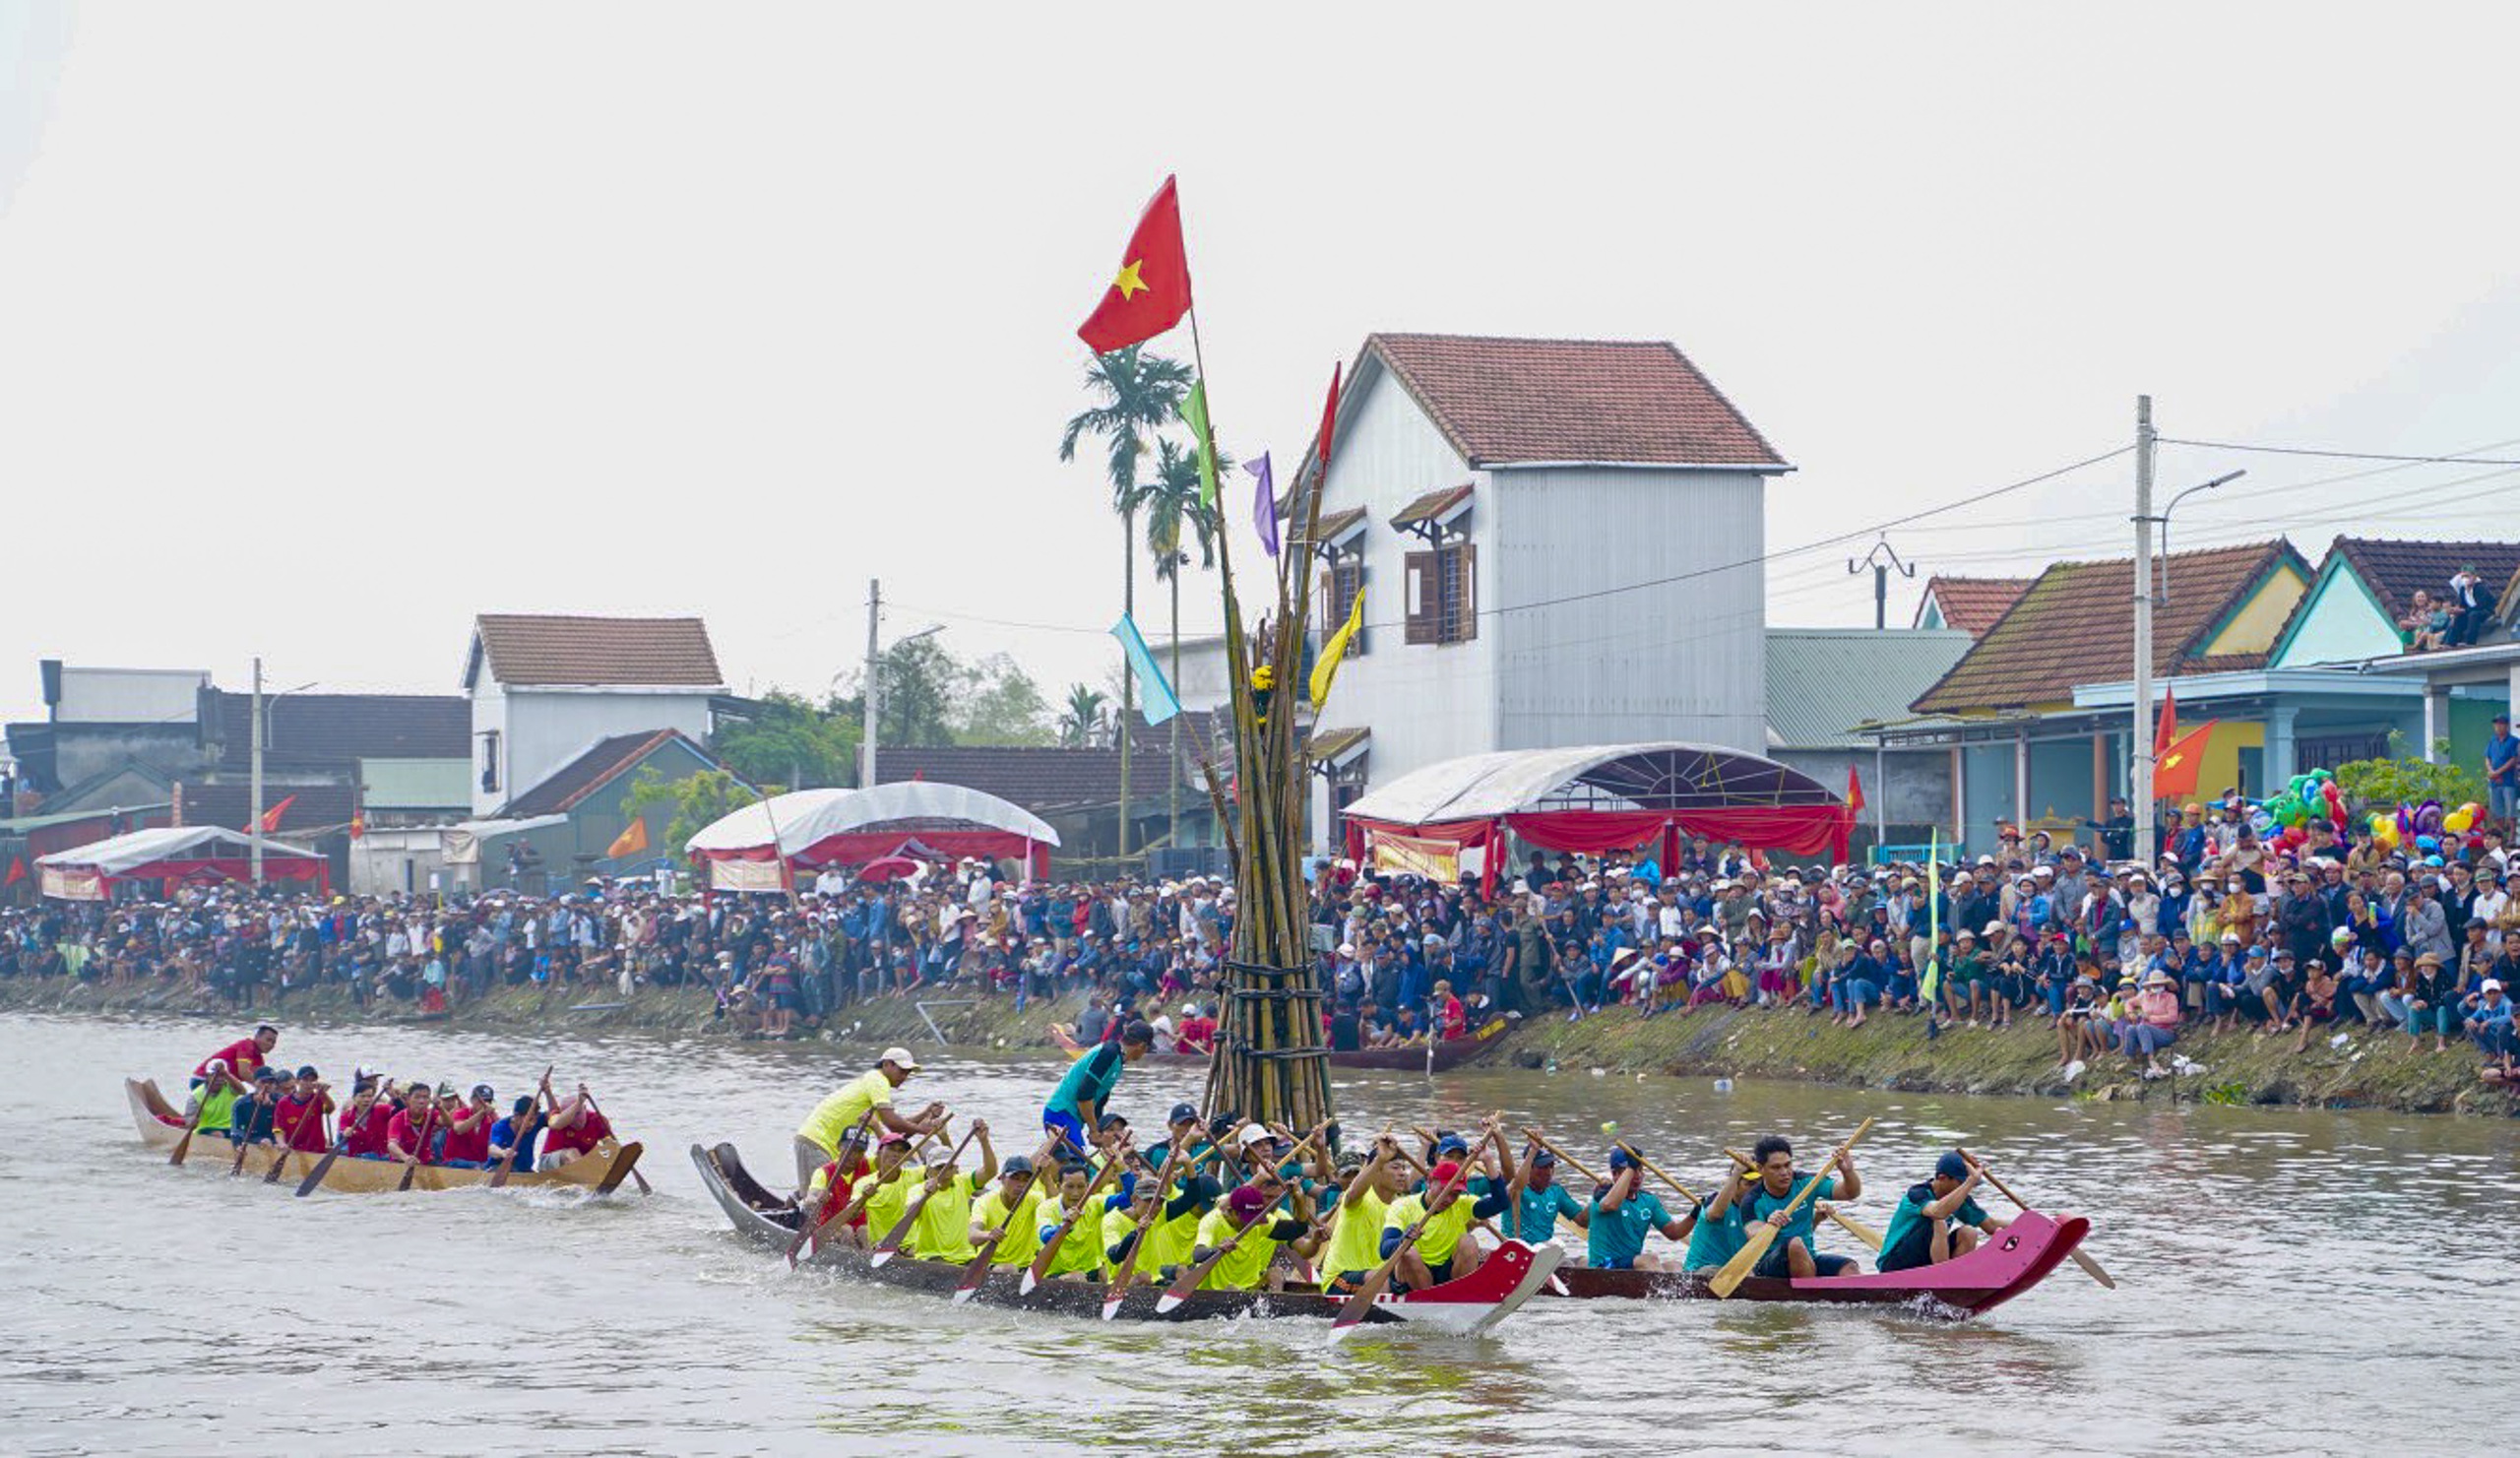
1156,699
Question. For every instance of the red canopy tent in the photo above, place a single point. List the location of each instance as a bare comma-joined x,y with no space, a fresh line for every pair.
760,846
178,853
1601,797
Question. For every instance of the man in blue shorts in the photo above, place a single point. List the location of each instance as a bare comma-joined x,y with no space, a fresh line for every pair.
1939,1219
1075,1108
1793,1254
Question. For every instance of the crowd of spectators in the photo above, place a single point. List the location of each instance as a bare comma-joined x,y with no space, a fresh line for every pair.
2341,937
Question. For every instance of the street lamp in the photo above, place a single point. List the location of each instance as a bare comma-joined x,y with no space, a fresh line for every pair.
2161,582
259,732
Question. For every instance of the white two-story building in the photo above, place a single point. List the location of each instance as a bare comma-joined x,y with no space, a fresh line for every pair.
546,688
1559,543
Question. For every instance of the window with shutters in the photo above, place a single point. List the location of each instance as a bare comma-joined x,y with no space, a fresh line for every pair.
1341,581
1443,594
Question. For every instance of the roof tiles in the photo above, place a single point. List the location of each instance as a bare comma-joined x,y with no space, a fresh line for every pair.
1612,402
1972,604
528,649
2396,570
2075,624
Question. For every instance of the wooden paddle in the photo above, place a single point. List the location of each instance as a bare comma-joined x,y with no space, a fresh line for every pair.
411,1169
1127,1273
1563,1158
245,1145
975,1273
517,1135
644,1188
2090,1266
1762,1234
1361,1303
324,1166
1193,1275
1870,1237
1040,1270
809,1226
288,1145
184,1146
863,1191
892,1242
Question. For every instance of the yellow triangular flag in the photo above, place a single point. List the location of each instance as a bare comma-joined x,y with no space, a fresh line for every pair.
1326,669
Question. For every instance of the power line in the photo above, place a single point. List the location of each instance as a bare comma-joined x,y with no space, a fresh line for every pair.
2226,445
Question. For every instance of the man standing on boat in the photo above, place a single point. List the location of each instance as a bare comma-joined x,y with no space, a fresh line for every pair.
818,1138
1939,1219
242,1056
1076,1106
1793,1253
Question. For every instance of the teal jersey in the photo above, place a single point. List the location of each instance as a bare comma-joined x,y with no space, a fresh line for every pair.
1093,1076
1617,1236
1536,1215
1717,1238
1763,1205
1912,1212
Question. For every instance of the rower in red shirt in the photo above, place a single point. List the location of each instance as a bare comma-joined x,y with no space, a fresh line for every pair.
242,1056
1197,1033
410,1136
1451,1018
307,1094
364,1122
574,1129
467,1131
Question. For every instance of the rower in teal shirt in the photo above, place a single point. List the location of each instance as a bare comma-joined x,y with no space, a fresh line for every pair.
1912,1240
1794,1254
1620,1216
1721,1231
1544,1202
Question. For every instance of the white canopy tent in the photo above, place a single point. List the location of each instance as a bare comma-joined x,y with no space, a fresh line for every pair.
174,852
812,828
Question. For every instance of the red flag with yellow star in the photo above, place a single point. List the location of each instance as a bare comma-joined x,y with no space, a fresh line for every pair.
1152,291
2174,773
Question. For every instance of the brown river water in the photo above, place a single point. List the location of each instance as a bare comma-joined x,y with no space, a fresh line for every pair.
2288,1281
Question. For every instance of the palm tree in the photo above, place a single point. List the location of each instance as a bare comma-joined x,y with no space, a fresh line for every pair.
1139,394
1081,720
1170,499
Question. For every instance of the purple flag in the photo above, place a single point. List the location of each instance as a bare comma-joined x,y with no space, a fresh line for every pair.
1264,505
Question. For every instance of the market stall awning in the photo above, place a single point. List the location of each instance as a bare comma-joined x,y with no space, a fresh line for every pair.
814,828
176,853
1599,798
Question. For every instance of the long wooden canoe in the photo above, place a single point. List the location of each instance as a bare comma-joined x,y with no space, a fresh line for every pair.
1507,1279
2008,1263
1409,1059
160,1125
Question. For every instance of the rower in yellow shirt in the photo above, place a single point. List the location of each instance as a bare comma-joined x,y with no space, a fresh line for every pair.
1355,1229
1078,1255
852,1103
943,1229
1006,1215
1247,1223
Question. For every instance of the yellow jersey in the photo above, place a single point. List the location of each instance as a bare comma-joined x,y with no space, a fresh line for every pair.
1356,1236
1023,1238
835,1116
943,1231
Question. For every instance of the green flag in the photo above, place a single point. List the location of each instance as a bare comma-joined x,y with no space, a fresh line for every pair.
1194,412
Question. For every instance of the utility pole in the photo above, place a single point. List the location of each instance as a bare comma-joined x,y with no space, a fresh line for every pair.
254,825
2141,732
866,691
1881,578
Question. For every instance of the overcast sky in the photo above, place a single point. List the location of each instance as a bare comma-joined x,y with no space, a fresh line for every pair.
324,327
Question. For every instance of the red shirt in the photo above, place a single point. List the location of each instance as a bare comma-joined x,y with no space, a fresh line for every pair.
843,1188
590,1129
1197,1035
1456,1018
366,1135
242,1057
404,1132
305,1130
467,1144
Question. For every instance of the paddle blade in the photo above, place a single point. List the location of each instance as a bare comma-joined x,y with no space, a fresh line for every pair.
280,1162
1112,1303
963,1294
1030,1281
1739,1268
1164,1304
1362,1302
876,1261
2092,1269
315,1177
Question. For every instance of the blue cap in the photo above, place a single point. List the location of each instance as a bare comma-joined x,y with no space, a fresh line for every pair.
2257,954
1951,1165
1020,1164
1619,1159
1543,1160
1451,1144
1184,1113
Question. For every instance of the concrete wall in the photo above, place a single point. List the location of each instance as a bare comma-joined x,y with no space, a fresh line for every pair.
546,730
129,695
2341,624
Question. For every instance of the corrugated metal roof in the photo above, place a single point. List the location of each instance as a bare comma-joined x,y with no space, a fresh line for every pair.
1822,681
415,784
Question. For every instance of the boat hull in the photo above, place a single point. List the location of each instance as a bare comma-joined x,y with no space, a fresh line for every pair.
162,1127
1508,1278
2015,1259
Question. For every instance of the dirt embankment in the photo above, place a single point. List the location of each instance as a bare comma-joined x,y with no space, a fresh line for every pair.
2366,1070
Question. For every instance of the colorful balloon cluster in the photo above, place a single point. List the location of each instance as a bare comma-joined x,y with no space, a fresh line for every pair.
2429,828
2285,820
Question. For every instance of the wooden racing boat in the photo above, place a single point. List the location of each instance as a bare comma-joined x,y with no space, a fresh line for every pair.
2010,1262
1410,1059
162,1125
1471,1305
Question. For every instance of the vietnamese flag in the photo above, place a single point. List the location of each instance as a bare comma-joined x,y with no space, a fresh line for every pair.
1152,291
632,839
1855,790
271,817
17,871
2174,775
2168,730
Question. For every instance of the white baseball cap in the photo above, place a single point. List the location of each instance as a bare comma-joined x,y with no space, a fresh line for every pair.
900,1058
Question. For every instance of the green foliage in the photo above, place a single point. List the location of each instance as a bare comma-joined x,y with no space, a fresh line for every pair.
791,742
2229,1095
1139,395
918,681
2378,785
698,800
1172,501
1082,719
1000,704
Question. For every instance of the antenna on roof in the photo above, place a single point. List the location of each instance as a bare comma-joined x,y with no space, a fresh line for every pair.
1875,559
